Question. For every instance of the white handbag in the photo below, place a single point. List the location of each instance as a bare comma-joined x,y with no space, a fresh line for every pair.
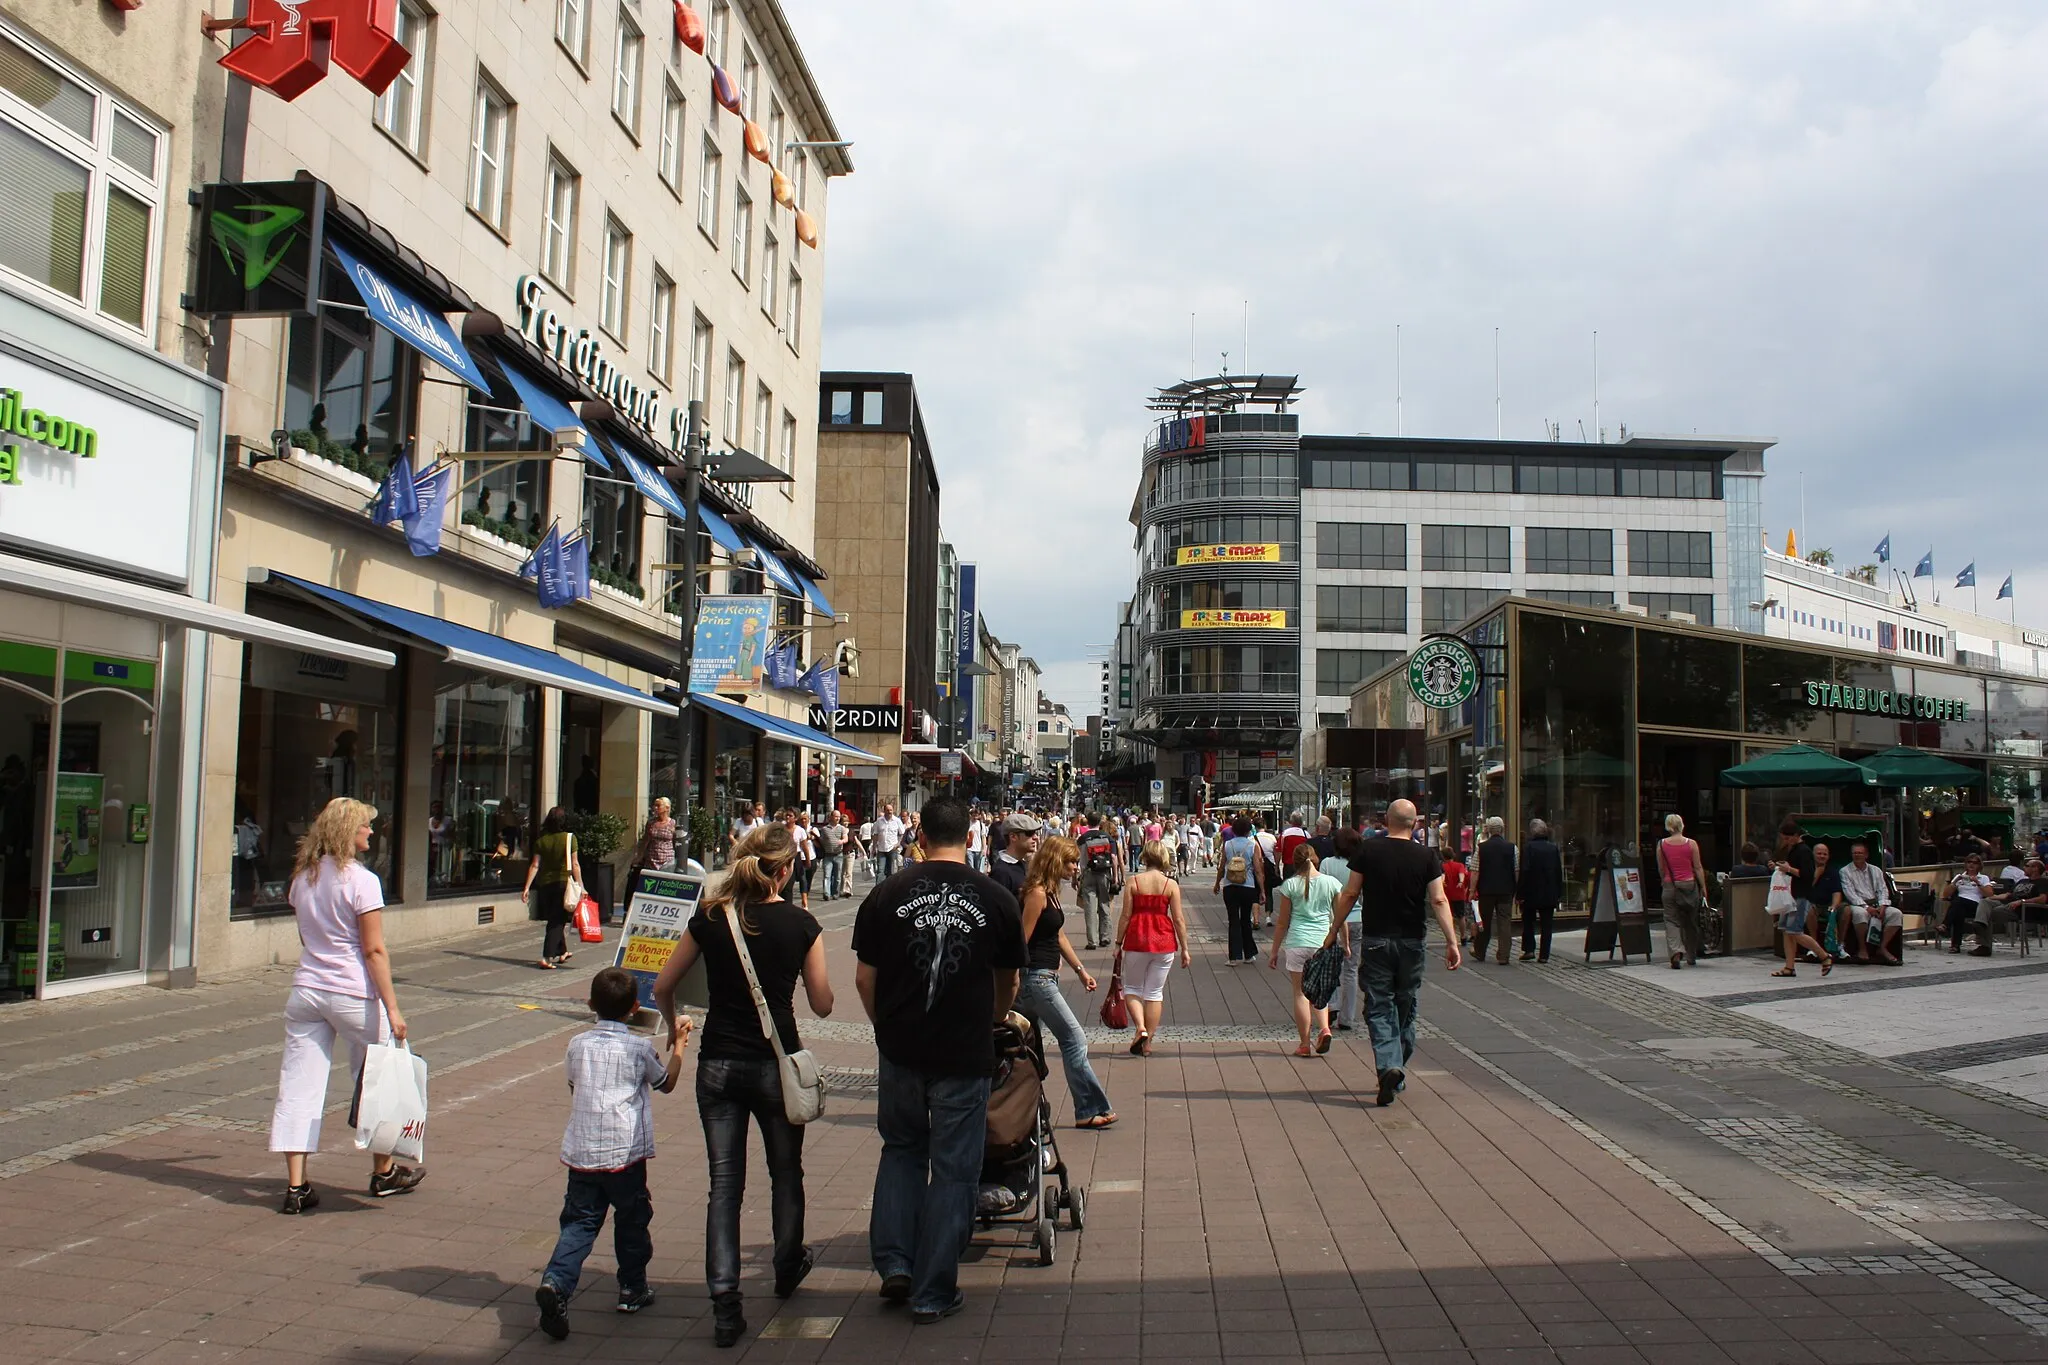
803,1084
573,893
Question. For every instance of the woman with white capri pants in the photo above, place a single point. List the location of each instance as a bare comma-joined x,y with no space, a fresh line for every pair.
1152,933
342,988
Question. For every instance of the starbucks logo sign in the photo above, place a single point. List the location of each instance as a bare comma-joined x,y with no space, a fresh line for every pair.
1444,672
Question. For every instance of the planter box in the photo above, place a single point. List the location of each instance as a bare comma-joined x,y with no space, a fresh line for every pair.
341,473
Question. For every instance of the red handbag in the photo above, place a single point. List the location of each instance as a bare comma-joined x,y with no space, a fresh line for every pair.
588,927
1114,1012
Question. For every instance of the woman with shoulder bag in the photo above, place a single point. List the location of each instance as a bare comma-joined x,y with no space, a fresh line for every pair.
1684,879
739,1068
554,871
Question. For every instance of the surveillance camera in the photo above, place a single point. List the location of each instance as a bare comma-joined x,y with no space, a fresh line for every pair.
746,557
569,438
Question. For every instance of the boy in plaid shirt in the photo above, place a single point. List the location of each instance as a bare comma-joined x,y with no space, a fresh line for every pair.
610,1137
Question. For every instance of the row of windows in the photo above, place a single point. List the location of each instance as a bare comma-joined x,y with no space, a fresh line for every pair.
1225,476
1350,607
1605,478
1484,549
1340,670
1195,669
1275,595
1341,607
1230,529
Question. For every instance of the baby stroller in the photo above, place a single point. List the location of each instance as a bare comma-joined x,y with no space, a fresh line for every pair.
1021,1160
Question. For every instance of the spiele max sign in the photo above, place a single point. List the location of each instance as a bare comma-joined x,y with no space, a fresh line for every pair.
38,429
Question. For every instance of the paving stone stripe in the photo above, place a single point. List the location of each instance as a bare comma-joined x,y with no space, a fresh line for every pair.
1974,1054
1864,981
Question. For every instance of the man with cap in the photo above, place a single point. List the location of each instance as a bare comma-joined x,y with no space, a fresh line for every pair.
1018,834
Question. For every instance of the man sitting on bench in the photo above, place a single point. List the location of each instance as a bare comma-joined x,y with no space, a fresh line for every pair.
1996,913
1875,924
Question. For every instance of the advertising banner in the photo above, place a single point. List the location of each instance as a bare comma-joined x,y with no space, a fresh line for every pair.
75,837
659,906
1205,618
731,644
966,637
262,241
1227,554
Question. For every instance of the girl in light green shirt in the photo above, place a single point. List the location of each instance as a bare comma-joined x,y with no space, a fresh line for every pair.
1304,904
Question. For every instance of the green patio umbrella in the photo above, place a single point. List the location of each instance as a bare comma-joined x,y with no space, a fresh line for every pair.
1901,766
1797,765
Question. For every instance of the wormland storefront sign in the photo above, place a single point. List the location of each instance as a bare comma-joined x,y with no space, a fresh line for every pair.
1874,701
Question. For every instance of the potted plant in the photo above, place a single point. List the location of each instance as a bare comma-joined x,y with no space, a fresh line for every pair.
598,836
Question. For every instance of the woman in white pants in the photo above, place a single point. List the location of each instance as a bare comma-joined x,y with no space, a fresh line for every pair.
342,986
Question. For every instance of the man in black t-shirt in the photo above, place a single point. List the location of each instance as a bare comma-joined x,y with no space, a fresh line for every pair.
1397,883
940,946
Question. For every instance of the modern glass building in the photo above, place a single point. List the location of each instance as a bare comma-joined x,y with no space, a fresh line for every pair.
1602,724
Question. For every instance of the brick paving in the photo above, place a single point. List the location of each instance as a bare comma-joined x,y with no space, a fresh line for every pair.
1578,1172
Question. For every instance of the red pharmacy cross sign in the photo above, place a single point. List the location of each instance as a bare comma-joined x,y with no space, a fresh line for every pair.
290,42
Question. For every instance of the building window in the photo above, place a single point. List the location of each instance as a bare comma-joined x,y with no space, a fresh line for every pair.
1379,474
1169,537
787,453
490,154
484,781
750,82
771,270
1671,554
401,109
853,407
715,31
1448,477
1575,479
1444,608
1226,595
626,50
709,177
1570,549
700,359
505,500
558,228
1667,481
735,397
669,155
742,234
1200,670
1574,597
84,191
572,27
1340,670
800,178
1466,549
1698,605
1361,545
618,268
661,326
350,386
778,133
793,311
1344,606
613,513
764,413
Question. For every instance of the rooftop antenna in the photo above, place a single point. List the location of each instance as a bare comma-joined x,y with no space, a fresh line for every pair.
1191,345
1400,424
1496,384
1596,389
1247,336
1582,430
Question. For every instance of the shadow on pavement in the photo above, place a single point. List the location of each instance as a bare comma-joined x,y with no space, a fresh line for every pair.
241,1190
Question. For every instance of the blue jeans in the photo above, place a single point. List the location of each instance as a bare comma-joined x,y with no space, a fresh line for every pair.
583,1209
728,1093
1390,969
835,874
887,864
1040,997
1347,1008
932,1130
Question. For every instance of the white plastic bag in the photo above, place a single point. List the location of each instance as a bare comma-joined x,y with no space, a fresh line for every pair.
391,1108
1780,901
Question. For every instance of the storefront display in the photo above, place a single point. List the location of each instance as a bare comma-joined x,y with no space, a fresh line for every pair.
485,779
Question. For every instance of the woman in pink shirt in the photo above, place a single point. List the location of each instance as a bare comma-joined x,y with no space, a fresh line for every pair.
342,986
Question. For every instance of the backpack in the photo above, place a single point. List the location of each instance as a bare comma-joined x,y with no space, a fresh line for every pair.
1237,871
1100,852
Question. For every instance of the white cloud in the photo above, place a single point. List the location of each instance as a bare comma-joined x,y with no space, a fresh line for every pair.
1815,221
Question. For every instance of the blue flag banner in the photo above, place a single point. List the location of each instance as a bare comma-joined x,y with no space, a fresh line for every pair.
1925,568
2005,588
531,568
1968,577
822,680
550,569
782,665
431,493
397,499
576,567
1884,549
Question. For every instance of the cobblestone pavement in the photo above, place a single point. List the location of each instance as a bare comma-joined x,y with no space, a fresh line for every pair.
1586,1167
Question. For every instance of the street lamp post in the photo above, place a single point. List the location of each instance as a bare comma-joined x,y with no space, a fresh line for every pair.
694,440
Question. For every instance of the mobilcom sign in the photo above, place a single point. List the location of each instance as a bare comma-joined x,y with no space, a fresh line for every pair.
22,425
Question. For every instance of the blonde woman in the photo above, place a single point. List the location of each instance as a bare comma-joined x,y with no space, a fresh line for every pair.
1152,931
1046,946
342,987
1684,878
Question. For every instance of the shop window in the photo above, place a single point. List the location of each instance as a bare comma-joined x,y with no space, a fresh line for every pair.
1444,608
1686,681
507,500
1465,549
85,194
1671,554
1698,605
1578,738
1570,549
311,729
1340,670
779,789
1774,693
1361,545
732,781
483,784
613,512
1350,607
350,385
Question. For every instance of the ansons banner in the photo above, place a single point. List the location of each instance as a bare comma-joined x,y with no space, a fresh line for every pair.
1874,701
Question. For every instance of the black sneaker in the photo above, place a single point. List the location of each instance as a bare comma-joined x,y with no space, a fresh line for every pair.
895,1289
299,1199
397,1180
643,1297
1390,1085
785,1285
925,1317
554,1315
728,1323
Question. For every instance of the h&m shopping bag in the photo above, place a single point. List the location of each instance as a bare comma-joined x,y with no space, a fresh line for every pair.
391,1103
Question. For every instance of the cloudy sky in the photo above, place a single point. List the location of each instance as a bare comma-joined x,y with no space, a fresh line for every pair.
1822,223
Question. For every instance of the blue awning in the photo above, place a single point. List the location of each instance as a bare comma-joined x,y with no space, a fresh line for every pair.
778,572
816,594
651,485
411,321
552,413
789,731
480,650
722,533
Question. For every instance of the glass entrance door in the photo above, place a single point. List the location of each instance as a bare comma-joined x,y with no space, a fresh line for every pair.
100,824
28,692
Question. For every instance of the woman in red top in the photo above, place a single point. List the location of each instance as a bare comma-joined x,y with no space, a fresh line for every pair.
1152,931
1458,891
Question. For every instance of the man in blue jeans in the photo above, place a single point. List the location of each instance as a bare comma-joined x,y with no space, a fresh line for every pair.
1397,883
939,946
